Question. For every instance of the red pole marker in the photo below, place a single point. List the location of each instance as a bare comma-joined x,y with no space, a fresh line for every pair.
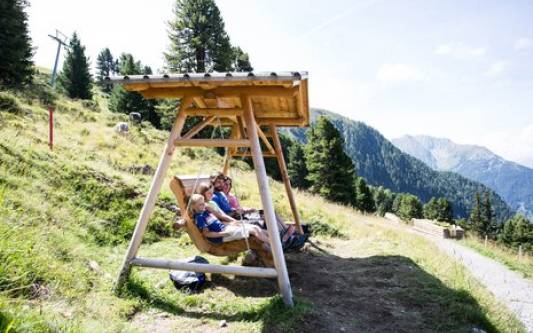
51,127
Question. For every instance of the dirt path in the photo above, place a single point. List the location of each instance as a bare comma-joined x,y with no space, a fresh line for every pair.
508,286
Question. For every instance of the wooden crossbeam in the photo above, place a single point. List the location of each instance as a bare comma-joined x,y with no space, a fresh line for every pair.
248,154
196,129
221,112
179,92
212,143
260,272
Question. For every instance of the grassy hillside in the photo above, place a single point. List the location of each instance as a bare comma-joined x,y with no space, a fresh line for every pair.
66,216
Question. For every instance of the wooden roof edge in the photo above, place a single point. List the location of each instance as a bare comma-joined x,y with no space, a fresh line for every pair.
209,77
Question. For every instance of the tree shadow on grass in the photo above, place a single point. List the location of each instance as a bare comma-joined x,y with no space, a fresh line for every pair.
373,294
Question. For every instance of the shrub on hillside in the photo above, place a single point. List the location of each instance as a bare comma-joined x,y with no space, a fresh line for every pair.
9,103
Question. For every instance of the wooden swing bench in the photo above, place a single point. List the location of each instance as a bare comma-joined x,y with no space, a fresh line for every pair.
252,106
182,187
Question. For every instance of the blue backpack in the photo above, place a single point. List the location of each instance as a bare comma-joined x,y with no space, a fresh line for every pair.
189,281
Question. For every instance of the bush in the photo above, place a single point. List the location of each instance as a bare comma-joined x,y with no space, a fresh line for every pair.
9,103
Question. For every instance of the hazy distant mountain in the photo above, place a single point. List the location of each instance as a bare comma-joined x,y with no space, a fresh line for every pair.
381,163
510,180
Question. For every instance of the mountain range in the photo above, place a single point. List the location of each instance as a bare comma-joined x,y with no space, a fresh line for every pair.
512,181
383,164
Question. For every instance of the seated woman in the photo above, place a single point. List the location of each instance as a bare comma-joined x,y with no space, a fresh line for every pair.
206,190
287,231
218,232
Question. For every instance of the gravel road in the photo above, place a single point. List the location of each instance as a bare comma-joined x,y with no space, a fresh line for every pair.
508,286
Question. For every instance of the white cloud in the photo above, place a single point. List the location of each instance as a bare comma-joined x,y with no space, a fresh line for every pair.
460,50
398,73
523,43
496,69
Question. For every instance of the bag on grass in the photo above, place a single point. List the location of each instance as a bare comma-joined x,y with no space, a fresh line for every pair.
189,281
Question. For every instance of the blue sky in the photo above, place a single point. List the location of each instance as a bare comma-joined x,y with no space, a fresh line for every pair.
456,69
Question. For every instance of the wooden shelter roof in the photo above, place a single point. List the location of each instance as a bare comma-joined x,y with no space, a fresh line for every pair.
279,98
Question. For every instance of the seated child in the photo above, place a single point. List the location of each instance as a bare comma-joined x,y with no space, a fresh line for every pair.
218,232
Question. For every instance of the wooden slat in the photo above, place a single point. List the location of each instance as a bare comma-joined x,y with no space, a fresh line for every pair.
212,143
260,272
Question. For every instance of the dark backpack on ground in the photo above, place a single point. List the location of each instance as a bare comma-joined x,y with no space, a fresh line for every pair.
189,281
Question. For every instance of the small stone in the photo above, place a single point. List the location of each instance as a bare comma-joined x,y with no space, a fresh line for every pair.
223,323
93,265
477,330
342,329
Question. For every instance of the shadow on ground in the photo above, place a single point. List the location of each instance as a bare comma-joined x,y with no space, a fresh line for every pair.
373,294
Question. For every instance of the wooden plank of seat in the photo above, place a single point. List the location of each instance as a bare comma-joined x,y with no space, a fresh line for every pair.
182,187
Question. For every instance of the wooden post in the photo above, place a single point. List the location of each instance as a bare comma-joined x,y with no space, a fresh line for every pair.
520,253
51,127
155,187
285,176
486,240
266,199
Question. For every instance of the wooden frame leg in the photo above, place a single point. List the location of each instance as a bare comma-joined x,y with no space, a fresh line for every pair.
266,199
155,187
285,176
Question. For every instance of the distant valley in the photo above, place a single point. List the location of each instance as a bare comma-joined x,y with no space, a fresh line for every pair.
382,164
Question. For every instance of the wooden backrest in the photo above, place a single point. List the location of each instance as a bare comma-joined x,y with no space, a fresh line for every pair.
182,187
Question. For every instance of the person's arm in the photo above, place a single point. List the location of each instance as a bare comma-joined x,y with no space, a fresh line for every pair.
223,217
214,234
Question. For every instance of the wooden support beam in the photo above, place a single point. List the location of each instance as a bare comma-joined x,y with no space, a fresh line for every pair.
260,272
285,177
282,121
221,112
212,143
266,199
200,126
265,140
155,187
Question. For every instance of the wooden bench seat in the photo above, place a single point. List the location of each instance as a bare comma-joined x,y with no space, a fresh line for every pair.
182,187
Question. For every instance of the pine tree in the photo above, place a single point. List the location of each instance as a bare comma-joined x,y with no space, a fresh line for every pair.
198,40
410,207
75,78
383,199
445,210
476,217
241,61
105,65
487,215
331,171
431,209
296,166
363,200
130,101
16,66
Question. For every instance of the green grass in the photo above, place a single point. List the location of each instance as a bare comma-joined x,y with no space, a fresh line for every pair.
504,255
64,210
